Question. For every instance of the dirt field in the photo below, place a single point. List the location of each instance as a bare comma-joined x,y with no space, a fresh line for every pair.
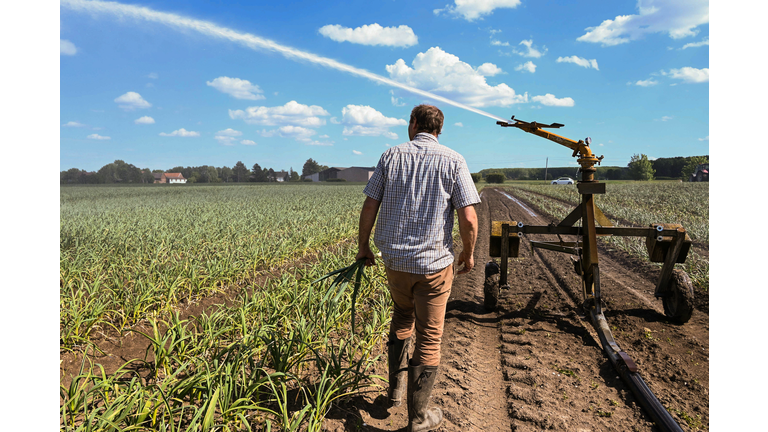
536,363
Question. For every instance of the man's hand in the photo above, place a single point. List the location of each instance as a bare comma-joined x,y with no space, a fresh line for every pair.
468,260
365,252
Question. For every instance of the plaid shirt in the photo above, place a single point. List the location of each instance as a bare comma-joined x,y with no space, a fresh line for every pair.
419,184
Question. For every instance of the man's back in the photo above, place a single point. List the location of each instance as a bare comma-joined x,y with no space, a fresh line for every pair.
419,184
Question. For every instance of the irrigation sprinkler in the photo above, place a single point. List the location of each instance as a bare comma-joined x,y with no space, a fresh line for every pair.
666,243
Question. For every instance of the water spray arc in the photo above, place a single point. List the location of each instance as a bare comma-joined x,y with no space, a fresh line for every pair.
251,41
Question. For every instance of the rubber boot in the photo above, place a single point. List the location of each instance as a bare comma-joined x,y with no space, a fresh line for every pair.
397,354
420,382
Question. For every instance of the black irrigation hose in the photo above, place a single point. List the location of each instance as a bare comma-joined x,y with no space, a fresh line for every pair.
648,400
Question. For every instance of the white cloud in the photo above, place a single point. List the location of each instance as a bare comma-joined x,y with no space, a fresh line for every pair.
227,136
98,137
489,69
531,50
666,118
696,44
67,48
678,18
323,136
706,138
444,74
144,120
131,101
237,88
153,75
73,124
357,152
526,67
248,142
298,133
471,10
362,120
395,100
645,83
495,42
181,133
689,74
372,34
550,100
459,124
229,132
292,113
579,61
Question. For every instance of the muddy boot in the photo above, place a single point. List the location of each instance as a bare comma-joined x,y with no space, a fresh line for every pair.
397,351
420,382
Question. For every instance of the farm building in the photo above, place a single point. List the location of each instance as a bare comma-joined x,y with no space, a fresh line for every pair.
352,174
280,176
173,178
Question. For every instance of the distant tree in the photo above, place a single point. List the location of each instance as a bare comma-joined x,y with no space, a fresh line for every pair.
690,166
225,173
495,178
258,174
147,176
640,168
271,175
240,172
71,175
295,176
310,167
120,172
213,175
476,177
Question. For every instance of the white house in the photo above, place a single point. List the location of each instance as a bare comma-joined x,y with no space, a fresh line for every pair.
173,178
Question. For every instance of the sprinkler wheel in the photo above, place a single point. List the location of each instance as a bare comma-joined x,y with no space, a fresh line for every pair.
678,304
491,286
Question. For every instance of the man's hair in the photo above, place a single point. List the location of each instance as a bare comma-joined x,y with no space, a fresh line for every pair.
429,118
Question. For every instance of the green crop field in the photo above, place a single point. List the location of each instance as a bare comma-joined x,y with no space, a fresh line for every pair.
130,252
278,357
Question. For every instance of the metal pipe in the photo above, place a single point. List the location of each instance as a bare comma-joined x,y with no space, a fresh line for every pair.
634,381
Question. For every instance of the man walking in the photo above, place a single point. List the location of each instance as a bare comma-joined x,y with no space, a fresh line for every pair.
414,190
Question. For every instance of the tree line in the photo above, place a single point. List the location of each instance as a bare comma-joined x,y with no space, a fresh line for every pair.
638,168
121,172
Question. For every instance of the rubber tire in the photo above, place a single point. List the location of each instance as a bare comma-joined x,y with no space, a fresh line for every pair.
678,305
491,286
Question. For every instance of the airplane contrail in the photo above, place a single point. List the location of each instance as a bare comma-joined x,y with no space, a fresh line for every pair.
251,41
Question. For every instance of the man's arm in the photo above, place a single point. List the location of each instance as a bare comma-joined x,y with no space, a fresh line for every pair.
468,232
367,219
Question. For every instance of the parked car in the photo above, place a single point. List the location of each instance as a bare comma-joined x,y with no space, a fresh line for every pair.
563,180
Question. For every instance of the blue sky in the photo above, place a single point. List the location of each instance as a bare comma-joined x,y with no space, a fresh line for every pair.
166,83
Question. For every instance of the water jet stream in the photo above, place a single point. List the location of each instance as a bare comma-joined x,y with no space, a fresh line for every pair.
250,41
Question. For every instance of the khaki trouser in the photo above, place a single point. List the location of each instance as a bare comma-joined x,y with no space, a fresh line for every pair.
420,300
